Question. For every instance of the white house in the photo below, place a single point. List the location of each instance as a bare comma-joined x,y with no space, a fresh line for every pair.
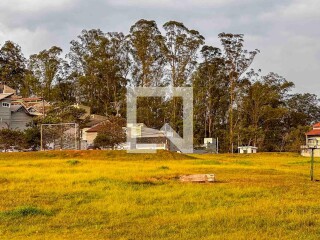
312,140
247,149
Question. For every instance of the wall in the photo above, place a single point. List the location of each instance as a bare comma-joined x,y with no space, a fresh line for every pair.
5,114
19,120
90,136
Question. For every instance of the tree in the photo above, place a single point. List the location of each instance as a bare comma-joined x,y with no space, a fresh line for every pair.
32,137
65,112
211,100
182,45
46,67
304,109
263,112
100,65
111,133
12,66
9,138
147,46
237,62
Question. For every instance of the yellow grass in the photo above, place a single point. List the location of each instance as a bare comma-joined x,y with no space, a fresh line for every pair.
114,195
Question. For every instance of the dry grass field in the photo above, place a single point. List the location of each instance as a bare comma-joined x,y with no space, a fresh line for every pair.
114,195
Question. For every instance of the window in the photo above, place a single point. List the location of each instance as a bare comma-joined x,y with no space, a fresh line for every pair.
5,104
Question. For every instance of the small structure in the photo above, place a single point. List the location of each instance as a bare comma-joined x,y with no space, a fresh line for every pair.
247,149
211,145
312,139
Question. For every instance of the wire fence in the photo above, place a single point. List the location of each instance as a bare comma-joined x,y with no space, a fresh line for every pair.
60,136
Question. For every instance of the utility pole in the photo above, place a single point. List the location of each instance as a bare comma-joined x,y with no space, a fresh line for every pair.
312,163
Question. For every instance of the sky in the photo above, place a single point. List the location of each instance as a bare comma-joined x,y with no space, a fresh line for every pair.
287,32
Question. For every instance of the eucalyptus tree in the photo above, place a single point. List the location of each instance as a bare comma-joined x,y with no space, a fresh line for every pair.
46,68
237,60
181,53
100,64
12,66
211,101
182,45
148,68
264,112
304,109
147,46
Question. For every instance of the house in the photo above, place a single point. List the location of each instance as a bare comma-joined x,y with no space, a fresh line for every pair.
5,110
247,149
147,138
37,105
20,117
13,115
312,140
91,129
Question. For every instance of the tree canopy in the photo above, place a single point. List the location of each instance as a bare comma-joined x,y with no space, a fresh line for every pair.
232,102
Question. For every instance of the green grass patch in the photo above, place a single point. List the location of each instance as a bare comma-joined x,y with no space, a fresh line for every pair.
25,211
73,162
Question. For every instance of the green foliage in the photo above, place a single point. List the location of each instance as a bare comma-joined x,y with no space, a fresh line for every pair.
46,68
9,138
65,112
147,45
100,64
111,133
73,162
25,211
32,137
12,66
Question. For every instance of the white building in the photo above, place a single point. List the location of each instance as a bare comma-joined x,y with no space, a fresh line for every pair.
247,149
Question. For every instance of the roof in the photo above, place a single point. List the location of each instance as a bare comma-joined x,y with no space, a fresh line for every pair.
96,128
5,95
314,132
247,147
15,108
317,125
150,132
6,89
27,98
145,131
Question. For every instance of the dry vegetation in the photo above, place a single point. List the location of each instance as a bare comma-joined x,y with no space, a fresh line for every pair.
114,195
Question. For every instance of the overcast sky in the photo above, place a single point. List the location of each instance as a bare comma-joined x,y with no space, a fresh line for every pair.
287,32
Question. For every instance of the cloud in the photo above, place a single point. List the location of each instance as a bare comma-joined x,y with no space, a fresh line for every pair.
175,4
33,5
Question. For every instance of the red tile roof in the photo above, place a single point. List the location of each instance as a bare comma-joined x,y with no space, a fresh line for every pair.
28,99
97,128
314,132
317,125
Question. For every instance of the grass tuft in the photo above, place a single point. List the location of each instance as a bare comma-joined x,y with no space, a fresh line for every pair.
164,168
73,162
25,211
